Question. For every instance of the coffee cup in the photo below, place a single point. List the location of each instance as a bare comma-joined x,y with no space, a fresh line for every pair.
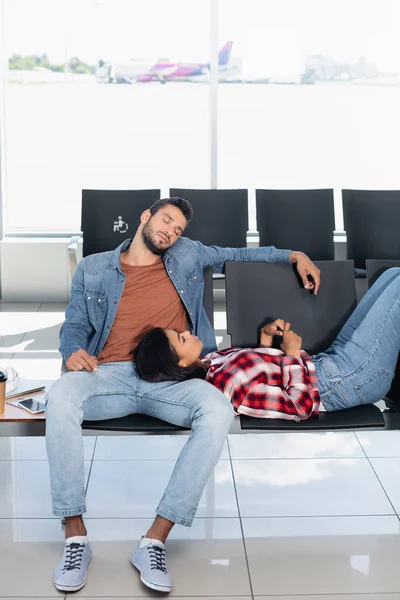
3,379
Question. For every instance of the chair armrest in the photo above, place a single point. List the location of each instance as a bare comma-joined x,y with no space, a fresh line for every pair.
73,254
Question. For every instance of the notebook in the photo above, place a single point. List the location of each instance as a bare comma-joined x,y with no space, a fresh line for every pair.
28,386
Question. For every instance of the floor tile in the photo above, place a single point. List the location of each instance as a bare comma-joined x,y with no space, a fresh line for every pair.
32,547
25,489
207,558
13,307
133,489
295,445
59,307
380,443
337,555
308,487
134,447
37,365
388,469
365,596
10,344
34,448
45,339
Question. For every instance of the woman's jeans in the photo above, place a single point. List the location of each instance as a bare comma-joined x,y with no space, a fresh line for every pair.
359,366
115,391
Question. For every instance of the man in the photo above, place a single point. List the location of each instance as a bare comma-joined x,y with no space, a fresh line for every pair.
154,280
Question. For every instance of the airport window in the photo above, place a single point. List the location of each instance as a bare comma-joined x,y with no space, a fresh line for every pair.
313,94
115,94
102,94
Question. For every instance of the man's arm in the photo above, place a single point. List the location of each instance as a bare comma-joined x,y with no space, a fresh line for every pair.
76,329
216,257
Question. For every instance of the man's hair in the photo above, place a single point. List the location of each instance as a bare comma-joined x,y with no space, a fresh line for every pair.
157,361
184,206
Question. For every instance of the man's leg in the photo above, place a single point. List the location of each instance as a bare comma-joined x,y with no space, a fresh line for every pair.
209,414
361,311
106,393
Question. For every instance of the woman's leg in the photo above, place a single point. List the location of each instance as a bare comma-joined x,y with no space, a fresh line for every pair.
360,370
363,308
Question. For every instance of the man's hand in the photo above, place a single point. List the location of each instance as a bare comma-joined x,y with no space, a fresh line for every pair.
305,267
81,361
291,342
274,328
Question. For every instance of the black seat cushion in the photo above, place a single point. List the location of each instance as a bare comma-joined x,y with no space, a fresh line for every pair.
357,417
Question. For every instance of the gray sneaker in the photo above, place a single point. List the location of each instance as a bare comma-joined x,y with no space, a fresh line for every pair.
71,573
149,559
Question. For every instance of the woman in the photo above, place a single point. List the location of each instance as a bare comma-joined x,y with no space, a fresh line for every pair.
358,368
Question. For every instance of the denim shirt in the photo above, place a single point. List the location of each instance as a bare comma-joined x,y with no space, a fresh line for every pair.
99,282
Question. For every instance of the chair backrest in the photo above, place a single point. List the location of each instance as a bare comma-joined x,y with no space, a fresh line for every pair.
372,224
257,293
208,298
220,216
111,216
375,268
297,220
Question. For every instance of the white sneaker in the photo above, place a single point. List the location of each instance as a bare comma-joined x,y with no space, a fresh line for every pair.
71,573
149,558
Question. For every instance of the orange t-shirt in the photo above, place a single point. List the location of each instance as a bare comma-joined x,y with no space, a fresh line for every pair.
149,300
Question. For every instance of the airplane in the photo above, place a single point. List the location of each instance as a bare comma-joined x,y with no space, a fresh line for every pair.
167,71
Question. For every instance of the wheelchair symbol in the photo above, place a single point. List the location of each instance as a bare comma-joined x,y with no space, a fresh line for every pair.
121,226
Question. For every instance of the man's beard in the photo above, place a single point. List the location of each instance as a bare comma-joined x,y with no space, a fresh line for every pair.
147,231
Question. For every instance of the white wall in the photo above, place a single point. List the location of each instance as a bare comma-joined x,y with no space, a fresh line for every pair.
35,269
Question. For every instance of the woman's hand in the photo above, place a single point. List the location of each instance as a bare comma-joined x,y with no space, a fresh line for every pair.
274,328
291,342
271,329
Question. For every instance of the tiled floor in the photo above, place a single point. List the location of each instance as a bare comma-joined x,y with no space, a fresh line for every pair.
288,516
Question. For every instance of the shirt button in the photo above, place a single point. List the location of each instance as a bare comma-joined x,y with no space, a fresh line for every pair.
99,300
89,297
115,302
122,281
170,271
194,277
108,327
181,291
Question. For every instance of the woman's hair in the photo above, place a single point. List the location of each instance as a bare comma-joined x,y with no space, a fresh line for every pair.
156,360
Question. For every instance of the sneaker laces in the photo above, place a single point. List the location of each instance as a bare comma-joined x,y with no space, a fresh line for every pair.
73,556
157,558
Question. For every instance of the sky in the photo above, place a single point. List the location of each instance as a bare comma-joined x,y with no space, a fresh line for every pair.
179,29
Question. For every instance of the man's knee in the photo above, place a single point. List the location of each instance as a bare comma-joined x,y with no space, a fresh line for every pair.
218,410
63,395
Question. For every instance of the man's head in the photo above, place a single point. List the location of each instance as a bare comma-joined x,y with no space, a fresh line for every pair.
164,222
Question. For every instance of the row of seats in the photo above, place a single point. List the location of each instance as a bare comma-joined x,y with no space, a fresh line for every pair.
257,293
296,219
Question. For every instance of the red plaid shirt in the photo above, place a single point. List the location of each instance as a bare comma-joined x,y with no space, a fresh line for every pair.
263,382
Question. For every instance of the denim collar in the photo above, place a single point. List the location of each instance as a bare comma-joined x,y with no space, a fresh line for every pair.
115,262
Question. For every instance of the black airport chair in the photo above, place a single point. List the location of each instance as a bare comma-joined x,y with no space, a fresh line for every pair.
260,292
220,216
111,216
297,220
372,225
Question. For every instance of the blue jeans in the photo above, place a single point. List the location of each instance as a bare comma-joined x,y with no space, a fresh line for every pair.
359,366
115,391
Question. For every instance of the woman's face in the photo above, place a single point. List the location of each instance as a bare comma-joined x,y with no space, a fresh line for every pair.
187,346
